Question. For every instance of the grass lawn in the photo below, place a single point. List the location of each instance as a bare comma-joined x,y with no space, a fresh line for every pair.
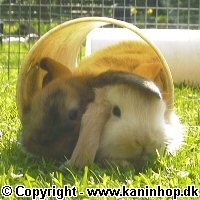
18,168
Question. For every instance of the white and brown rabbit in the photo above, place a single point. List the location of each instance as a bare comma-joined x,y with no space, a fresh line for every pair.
129,118
126,122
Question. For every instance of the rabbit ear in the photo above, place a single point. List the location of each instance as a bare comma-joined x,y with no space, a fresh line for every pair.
122,77
92,124
54,70
148,70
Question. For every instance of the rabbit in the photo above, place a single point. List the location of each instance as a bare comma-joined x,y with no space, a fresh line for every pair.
126,122
51,127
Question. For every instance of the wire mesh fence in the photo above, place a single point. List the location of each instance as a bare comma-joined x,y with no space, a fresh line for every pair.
22,22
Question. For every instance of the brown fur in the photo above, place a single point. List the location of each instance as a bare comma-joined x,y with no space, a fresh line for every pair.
51,127
133,57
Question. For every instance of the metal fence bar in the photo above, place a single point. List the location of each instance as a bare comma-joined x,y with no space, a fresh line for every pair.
9,53
199,14
188,19
19,46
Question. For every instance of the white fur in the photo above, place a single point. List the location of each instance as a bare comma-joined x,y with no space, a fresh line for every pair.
142,127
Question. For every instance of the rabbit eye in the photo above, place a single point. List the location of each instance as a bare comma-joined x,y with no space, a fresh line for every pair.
116,111
73,114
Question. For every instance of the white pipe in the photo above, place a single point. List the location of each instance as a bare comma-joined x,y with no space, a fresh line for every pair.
181,48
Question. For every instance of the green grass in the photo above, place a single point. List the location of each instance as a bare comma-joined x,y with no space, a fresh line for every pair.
18,168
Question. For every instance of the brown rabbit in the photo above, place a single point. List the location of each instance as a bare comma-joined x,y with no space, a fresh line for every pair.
51,127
